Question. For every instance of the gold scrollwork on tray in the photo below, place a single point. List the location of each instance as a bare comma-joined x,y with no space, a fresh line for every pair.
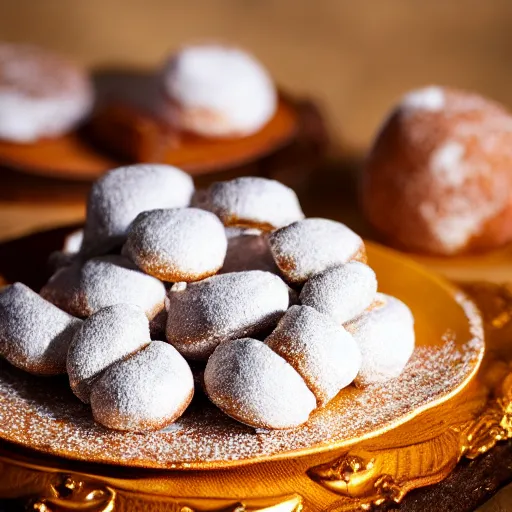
70,492
373,478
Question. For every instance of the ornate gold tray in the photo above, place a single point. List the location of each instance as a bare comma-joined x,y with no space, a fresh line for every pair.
367,448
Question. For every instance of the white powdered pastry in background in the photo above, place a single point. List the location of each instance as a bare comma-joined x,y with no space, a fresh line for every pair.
34,334
430,98
218,91
41,94
248,252
223,307
341,292
323,353
121,194
106,337
252,384
253,202
69,252
73,242
385,335
310,246
84,288
179,244
147,391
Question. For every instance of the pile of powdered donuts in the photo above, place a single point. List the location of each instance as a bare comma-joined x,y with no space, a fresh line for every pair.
278,311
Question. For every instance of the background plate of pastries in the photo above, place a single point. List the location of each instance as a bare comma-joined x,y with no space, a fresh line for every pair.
209,107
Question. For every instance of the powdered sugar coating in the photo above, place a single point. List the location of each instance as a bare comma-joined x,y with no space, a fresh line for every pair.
73,242
104,338
252,384
248,252
310,246
84,288
179,244
121,194
431,99
43,414
228,306
219,91
252,202
341,292
385,336
41,94
147,391
323,353
34,334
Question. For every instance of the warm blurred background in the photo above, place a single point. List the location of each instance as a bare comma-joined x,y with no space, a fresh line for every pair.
355,57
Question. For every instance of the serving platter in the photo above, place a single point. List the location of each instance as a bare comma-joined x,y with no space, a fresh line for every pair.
448,405
43,415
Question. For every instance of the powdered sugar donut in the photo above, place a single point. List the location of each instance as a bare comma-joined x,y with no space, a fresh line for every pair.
437,178
34,334
323,353
41,94
223,307
145,392
218,91
179,244
121,194
341,292
84,288
310,246
385,335
106,337
252,202
251,383
248,252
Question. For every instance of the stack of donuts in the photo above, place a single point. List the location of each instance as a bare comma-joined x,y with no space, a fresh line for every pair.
277,311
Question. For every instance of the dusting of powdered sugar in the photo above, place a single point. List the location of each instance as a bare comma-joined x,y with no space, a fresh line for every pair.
248,381
73,242
145,392
104,338
313,245
178,244
121,194
41,94
249,252
44,415
323,353
223,307
34,334
84,288
446,163
431,99
253,202
341,292
385,335
219,91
